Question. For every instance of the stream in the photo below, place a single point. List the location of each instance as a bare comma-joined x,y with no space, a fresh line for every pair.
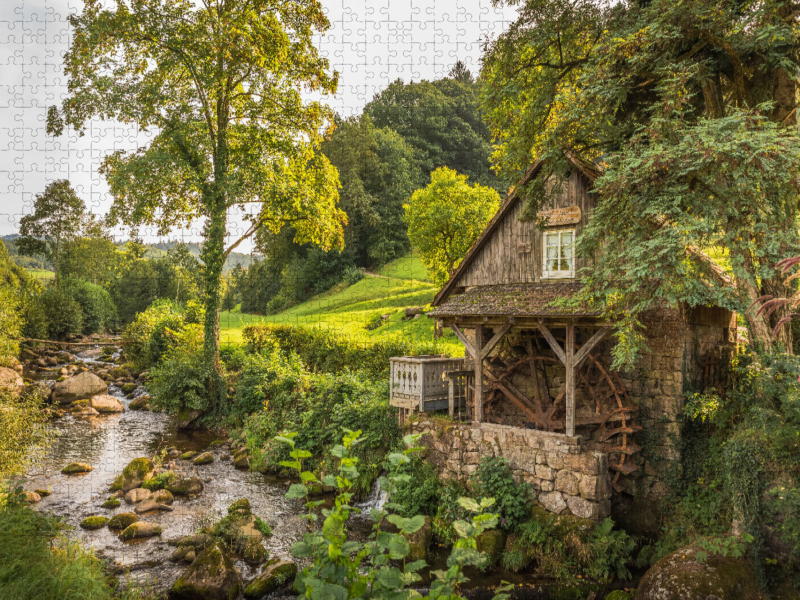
110,442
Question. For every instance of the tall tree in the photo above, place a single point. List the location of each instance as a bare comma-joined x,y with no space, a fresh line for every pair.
93,255
689,109
220,84
445,218
57,217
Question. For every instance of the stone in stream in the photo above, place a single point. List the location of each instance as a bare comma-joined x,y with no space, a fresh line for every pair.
185,418
212,576
128,388
275,575
92,523
11,381
203,459
106,404
188,455
42,493
122,521
186,486
163,497
242,461
140,529
151,505
491,543
76,468
137,495
32,497
140,403
82,410
241,529
135,474
78,387
111,503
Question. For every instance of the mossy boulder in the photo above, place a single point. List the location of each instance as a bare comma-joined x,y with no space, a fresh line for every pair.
186,486
160,481
163,497
92,523
77,387
239,507
11,381
680,576
134,475
420,542
76,468
619,595
242,461
211,576
111,503
137,495
128,388
42,493
140,403
491,543
188,455
139,530
122,521
104,403
275,575
203,459
186,418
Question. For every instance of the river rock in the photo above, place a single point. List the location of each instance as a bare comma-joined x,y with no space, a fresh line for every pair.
491,543
188,455
11,382
78,387
137,495
107,404
150,505
140,403
186,486
212,576
140,529
111,503
122,521
185,418
83,410
135,474
92,523
32,497
76,468
680,576
91,353
203,459
275,575
242,461
128,388
163,497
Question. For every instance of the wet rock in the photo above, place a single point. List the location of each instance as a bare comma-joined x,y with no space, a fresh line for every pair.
10,381
212,576
138,495
163,497
140,403
619,595
83,410
106,404
188,455
32,497
128,388
203,459
91,353
239,507
491,543
242,462
186,486
92,523
122,521
680,576
151,505
76,468
140,529
78,387
111,503
180,552
275,575
172,454
189,557
185,418
51,361
135,474
40,362
42,493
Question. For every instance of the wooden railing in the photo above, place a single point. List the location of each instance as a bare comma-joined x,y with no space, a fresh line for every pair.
420,383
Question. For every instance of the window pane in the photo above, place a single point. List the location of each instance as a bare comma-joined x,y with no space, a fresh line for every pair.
566,251
552,239
552,252
566,238
552,265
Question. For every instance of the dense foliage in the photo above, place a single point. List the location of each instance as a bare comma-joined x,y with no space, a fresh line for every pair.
97,307
513,500
445,218
688,109
23,435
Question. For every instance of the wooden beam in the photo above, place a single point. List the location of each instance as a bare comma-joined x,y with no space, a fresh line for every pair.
554,345
495,338
587,347
478,360
569,382
460,335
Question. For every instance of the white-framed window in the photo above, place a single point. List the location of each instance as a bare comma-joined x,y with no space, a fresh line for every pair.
558,250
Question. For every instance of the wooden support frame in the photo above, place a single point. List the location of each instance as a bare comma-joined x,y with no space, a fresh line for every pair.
571,361
479,352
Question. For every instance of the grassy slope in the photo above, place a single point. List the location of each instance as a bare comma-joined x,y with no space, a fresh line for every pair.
399,284
41,274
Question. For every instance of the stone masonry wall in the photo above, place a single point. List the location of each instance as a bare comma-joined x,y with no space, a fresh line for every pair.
563,475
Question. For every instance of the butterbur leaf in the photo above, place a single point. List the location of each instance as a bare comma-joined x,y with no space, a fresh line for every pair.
414,524
296,490
300,454
329,480
398,547
396,458
487,502
291,464
307,476
396,520
375,514
301,550
469,504
463,529
416,566
339,451
350,547
333,527
390,578
286,438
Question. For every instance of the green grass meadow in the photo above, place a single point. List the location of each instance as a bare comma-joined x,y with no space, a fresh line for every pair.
349,310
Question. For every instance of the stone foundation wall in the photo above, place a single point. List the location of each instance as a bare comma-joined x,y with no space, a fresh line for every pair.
563,474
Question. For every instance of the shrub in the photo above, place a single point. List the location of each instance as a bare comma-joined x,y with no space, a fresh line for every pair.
495,480
611,552
23,431
148,336
34,318
449,511
353,274
10,325
182,380
99,311
417,489
63,313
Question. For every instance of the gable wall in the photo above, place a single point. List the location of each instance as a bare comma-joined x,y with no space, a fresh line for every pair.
513,253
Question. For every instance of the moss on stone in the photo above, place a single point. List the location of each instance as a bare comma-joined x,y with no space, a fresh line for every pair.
491,543
275,576
160,481
76,468
111,503
203,459
241,506
619,595
122,521
140,529
188,455
92,523
138,471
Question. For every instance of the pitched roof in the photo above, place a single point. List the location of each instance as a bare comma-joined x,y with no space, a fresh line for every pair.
590,170
517,299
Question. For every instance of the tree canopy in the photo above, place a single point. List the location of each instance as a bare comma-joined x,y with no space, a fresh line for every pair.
689,110
445,218
219,83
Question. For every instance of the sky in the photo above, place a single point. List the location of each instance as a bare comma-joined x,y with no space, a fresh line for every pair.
371,43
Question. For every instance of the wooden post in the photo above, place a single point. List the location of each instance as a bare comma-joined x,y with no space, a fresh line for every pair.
569,383
451,396
478,359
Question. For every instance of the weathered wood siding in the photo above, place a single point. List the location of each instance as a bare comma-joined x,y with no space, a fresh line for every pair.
513,253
